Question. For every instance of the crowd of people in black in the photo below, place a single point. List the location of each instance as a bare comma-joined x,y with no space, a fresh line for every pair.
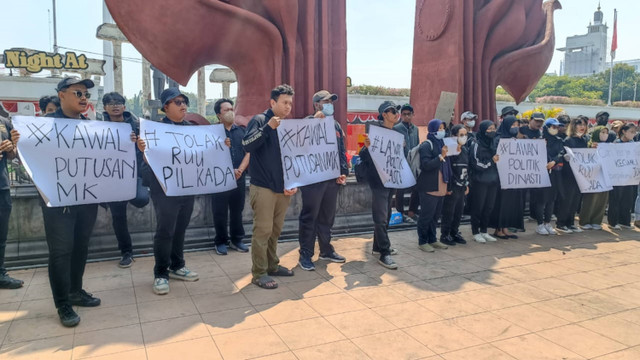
447,188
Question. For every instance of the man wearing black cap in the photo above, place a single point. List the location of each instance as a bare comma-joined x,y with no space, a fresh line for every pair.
319,200
68,228
533,130
508,110
267,195
173,213
602,119
411,140
380,195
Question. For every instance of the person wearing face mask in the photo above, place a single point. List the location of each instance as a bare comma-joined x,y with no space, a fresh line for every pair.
457,188
432,185
319,200
621,198
484,180
564,121
380,195
509,209
531,130
570,198
228,206
411,140
546,197
594,204
469,120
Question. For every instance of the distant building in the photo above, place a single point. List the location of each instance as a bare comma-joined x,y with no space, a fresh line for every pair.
586,54
635,63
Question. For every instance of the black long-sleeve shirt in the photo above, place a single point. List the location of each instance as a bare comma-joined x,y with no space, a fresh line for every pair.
261,141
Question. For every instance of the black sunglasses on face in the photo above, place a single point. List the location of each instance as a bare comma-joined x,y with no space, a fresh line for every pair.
179,102
392,110
79,94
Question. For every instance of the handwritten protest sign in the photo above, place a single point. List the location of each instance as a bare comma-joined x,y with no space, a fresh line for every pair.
74,162
387,153
621,162
586,165
523,164
452,146
309,151
188,160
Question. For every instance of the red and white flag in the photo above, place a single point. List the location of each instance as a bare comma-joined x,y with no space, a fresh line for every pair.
614,41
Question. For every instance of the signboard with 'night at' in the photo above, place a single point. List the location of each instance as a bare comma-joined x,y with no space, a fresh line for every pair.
34,62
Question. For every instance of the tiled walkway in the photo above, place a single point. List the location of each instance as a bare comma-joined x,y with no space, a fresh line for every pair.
561,297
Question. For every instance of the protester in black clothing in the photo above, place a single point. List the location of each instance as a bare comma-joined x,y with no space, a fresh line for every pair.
531,130
411,140
457,188
115,111
564,121
48,104
570,197
468,120
227,206
8,151
621,198
509,210
546,197
432,185
380,196
319,200
173,213
484,180
602,119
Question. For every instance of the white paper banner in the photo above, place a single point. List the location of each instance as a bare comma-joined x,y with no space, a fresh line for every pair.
75,162
621,162
586,166
308,151
188,160
387,153
452,146
523,164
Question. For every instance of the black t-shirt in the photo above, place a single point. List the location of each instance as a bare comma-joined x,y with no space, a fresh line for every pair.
529,133
5,134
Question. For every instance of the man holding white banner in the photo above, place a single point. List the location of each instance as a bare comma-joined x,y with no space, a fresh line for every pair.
173,197
319,199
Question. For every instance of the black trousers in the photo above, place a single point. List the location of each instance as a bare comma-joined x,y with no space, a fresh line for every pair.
173,215
621,204
5,215
570,202
317,216
452,212
120,226
483,199
227,208
430,211
380,210
414,201
546,199
68,230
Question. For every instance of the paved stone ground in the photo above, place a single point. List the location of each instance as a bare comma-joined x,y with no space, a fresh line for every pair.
561,297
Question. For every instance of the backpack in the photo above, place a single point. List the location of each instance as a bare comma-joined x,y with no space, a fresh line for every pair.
360,169
414,159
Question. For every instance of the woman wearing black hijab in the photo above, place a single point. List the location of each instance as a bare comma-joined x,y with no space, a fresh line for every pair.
484,180
508,212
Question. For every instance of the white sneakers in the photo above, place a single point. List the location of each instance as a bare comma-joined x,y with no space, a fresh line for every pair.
550,229
488,237
545,229
161,286
478,238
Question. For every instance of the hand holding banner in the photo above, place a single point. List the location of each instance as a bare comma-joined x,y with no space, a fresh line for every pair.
387,153
523,164
74,162
188,160
621,162
586,165
308,151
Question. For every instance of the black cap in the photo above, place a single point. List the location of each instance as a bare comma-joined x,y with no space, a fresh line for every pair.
386,106
508,109
537,116
602,113
324,95
406,106
68,81
170,94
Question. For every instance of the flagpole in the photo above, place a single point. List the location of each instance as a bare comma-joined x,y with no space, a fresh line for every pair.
614,46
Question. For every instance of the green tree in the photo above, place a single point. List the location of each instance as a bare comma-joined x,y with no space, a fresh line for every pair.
135,105
624,79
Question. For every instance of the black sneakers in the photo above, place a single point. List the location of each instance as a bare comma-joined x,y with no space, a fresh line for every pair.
83,298
447,240
126,261
459,239
7,282
68,317
387,261
334,256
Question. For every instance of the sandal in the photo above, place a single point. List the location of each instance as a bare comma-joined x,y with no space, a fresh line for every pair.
503,237
265,282
282,271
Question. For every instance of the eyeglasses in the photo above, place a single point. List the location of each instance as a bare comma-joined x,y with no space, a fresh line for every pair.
79,94
113,104
392,110
180,102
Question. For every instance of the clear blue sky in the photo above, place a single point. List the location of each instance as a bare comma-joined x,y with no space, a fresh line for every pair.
372,25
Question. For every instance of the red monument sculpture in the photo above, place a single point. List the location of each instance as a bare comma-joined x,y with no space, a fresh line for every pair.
469,47
464,46
266,43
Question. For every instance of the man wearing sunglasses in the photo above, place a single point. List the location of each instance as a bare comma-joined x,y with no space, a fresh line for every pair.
173,213
68,228
115,111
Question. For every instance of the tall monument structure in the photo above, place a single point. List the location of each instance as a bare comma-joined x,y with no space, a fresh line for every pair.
586,54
